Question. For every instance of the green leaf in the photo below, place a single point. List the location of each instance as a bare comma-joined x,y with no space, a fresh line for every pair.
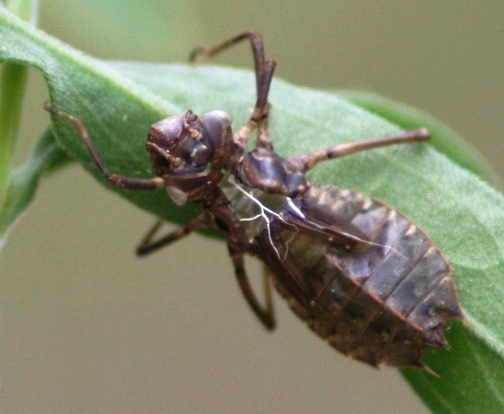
466,346
131,27
445,139
464,216
12,82
47,156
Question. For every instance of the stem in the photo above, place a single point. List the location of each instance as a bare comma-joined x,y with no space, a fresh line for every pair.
12,84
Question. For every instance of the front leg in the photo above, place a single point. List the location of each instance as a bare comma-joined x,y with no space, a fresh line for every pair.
114,179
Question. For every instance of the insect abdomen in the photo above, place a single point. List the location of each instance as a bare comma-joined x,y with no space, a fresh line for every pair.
383,302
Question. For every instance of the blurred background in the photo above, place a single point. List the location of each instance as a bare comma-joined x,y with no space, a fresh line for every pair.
89,328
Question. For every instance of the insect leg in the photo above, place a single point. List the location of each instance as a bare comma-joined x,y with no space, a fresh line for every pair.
263,71
308,161
262,107
114,179
257,50
266,314
148,245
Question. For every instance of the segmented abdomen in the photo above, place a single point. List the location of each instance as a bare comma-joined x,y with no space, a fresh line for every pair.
382,302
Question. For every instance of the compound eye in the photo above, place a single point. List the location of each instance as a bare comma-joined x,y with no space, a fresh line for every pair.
218,116
194,152
200,156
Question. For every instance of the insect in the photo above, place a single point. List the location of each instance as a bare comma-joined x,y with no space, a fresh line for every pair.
360,274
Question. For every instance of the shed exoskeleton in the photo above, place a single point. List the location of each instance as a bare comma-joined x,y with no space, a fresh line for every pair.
360,274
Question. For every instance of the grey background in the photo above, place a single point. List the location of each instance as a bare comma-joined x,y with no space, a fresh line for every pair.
87,327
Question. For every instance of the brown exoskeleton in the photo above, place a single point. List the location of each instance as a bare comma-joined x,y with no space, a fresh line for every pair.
360,274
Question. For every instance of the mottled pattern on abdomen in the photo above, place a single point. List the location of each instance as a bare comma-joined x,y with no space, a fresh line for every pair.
382,302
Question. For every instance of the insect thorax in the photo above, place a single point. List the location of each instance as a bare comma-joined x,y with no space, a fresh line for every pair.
254,208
